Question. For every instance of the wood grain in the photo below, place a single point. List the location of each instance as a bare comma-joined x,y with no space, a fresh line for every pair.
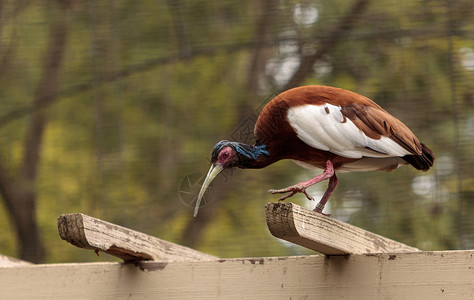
90,233
326,235
7,261
417,275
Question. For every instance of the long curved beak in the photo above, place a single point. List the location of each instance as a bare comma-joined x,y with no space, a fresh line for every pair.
213,172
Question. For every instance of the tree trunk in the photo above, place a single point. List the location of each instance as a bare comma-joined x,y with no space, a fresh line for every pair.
20,193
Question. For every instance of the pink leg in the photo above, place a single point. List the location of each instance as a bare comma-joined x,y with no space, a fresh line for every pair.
302,186
331,187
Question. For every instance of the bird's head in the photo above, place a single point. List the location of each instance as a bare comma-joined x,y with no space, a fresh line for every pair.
224,156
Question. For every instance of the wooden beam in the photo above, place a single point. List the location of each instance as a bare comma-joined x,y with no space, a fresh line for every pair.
6,261
417,275
326,235
90,233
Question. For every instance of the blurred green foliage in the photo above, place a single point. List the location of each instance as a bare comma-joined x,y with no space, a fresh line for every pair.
147,88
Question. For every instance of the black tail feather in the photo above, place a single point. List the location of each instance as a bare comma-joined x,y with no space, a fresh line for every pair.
421,162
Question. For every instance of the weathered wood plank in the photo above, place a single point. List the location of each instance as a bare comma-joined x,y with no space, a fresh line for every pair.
90,233
6,261
323,234
417,275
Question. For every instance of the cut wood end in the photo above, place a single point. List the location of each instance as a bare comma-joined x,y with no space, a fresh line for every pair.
71,229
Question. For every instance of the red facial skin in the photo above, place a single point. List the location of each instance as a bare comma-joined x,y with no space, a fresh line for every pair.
227,158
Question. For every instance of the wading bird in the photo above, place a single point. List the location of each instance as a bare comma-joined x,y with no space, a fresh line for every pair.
322,127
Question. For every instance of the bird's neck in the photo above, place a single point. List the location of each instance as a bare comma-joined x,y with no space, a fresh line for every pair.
252,157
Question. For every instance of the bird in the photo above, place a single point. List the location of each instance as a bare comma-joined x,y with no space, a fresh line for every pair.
322,127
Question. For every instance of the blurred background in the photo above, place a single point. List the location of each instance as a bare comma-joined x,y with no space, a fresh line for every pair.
112,108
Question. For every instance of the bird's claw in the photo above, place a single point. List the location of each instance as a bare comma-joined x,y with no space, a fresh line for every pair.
291,190
318,210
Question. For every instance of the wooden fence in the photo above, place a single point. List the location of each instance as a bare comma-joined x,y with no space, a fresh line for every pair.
354,264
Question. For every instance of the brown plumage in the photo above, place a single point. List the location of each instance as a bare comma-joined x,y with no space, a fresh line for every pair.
273,129
324,127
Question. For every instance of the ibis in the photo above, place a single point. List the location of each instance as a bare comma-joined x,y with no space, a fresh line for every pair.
322,127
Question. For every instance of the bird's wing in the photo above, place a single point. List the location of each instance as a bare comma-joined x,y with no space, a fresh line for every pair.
352,131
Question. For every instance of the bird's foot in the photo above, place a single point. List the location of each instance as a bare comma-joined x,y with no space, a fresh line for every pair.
319,209
291,190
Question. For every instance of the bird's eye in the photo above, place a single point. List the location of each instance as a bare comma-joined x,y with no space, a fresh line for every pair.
225,155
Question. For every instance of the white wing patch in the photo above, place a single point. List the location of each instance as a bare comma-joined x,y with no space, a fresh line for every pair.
323,127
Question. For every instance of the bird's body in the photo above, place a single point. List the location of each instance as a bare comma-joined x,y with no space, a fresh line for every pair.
313,124
329,128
